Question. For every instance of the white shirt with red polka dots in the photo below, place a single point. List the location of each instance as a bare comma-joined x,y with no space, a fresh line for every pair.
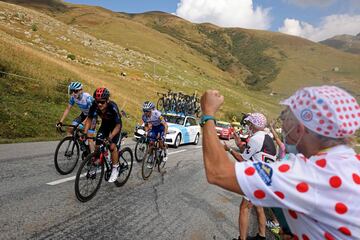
320,196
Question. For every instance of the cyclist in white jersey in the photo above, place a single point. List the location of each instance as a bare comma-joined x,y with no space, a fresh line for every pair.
83,100
156,125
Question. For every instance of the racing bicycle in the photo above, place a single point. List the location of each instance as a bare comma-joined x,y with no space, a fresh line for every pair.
98,165
68,150
152,159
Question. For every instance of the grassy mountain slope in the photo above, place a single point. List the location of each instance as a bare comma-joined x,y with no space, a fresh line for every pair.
272,58
158,51
347,43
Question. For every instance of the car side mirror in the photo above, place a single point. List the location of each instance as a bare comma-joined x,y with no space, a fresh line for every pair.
187,124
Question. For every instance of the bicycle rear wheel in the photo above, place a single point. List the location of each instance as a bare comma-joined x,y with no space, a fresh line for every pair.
140,149
148,165
88,178
66,156
160,104
126,163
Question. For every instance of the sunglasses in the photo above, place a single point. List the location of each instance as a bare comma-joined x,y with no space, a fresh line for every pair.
75,91
100,102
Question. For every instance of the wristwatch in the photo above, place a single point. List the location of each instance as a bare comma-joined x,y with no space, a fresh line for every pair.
205,118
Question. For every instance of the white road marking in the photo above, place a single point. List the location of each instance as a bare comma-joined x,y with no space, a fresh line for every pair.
61,181
171,153
53,183
198,147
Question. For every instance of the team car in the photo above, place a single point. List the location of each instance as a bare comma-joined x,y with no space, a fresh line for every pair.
181,130
224,130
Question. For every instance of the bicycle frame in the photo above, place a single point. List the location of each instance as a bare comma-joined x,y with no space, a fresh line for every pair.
104,148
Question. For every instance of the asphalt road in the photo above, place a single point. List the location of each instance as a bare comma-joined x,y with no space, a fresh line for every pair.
38,203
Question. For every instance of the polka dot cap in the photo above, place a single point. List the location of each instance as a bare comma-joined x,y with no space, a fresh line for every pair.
327,110
258,119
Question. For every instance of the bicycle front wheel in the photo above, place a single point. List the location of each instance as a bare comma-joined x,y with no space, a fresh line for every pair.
125,163
148,165
161,164
88,178
66,156
141,148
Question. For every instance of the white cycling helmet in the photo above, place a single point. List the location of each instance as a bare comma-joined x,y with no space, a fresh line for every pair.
74,86
147,106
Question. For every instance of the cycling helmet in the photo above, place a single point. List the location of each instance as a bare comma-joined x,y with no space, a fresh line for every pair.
101,94
147,106
74,86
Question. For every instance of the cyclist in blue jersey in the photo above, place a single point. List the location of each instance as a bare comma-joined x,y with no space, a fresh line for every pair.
110,128
155,123
83,100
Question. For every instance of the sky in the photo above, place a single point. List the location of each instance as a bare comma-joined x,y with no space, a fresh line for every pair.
315,20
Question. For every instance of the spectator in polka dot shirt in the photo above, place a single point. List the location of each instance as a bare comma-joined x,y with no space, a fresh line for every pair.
260,147
318,188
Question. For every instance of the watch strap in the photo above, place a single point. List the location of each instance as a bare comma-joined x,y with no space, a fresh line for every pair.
205,118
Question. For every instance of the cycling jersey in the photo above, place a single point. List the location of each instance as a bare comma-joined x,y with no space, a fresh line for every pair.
155,119
318,196
84,103
109,119
157,128
260,147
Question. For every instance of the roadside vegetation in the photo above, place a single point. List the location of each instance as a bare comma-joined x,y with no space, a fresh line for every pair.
157,52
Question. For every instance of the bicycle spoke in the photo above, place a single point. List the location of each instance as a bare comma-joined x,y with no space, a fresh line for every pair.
66,155
125,163
88,179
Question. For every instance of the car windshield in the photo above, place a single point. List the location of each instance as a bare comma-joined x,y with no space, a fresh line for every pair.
223,125
174,119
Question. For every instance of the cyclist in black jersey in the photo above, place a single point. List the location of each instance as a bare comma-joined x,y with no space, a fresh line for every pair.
110,127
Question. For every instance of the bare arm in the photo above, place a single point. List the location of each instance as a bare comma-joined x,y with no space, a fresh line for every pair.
147,127
235,154
115,131
276,137
165,127
237,140
220,170
66,112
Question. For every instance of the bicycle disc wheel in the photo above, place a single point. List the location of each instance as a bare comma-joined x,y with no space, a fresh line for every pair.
88,178
126,163
148,165
66,156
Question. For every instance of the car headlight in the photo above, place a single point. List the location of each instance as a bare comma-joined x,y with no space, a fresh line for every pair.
171,132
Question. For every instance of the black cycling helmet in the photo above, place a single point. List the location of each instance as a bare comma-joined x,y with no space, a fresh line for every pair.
101,94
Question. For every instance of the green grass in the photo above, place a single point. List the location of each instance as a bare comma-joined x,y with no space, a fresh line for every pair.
30,106
245,65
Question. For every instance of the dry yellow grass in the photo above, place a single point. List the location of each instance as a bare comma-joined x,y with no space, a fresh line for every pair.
166,60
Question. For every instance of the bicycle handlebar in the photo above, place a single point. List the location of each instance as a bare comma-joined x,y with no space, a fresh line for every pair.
61,130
